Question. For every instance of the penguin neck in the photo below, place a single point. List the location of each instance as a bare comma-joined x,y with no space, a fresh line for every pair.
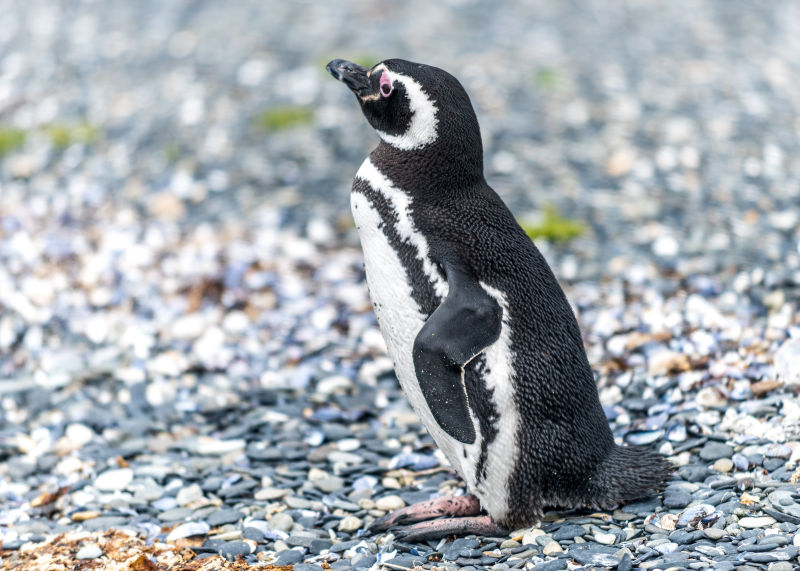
437,169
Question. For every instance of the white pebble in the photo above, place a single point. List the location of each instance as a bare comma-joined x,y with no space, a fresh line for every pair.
114,480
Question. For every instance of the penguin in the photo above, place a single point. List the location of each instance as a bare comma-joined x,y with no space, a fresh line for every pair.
484,342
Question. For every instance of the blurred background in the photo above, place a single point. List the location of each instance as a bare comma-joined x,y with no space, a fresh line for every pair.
672,127
180,277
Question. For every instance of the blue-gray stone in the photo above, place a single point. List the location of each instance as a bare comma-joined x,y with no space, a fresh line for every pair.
289,557
568,532
554,565
715,450
223,516
232,549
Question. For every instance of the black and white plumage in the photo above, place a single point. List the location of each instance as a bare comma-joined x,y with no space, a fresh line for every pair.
484,342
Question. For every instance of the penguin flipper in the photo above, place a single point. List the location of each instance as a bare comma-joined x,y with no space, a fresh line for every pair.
465,324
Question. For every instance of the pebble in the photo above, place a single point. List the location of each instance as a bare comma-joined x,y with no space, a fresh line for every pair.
289,557
756,522
350,523
552,548
223,516
188,530
715,451
390,503
281,521
114,480
89,551
787,362
723,465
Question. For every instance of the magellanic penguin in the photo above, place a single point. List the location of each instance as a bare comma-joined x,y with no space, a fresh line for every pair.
484,342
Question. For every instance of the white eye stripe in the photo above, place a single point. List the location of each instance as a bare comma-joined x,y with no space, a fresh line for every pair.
422,129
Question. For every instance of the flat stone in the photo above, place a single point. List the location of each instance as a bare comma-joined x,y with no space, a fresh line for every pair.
756,522
223,516
677,499
189,529
230,550
568,532
723,465
89,551
714,533
390,503
552,548
281,521
714,451
114,480
350,523
289,557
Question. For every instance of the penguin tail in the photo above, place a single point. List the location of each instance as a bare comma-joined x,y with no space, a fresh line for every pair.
630,473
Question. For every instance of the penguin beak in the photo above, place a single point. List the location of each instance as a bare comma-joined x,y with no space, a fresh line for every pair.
351,74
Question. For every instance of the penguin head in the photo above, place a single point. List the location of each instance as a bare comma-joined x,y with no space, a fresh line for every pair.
413,106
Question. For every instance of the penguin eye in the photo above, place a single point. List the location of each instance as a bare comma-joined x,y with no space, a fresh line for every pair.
386,85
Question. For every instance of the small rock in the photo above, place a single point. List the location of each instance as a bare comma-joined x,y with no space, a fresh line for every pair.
90,551
114,480
223,516
552,548
723,465
756,522
605,538
350,523
710,397
281,521
269,494
189,529
714,451
230,550
787,362
189,495
289,557
714,533
665,362
390,503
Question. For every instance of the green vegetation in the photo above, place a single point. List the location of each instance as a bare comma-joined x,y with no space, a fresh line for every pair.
64,135
11,139
172,152
553,227
547,78
284,117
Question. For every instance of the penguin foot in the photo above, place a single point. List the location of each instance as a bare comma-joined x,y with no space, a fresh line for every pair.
459,506
435,529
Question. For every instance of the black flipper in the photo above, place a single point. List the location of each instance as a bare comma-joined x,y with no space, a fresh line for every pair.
466,323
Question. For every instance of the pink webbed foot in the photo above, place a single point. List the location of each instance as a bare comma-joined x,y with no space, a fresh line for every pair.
458,506
448,516
481,525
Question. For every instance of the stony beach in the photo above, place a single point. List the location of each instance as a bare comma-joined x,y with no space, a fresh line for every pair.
191,376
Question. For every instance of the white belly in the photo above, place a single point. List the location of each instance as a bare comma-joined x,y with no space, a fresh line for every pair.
400,319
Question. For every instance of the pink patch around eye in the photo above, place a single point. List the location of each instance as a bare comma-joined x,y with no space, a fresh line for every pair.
386,85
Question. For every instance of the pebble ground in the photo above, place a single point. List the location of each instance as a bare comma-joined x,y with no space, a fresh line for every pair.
187,351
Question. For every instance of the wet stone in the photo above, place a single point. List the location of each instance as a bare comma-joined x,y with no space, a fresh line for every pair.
568,532
452,550
677,499
223,516
289,557
715,450
232,549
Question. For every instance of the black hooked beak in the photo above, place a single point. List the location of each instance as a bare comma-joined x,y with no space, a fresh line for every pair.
351,74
